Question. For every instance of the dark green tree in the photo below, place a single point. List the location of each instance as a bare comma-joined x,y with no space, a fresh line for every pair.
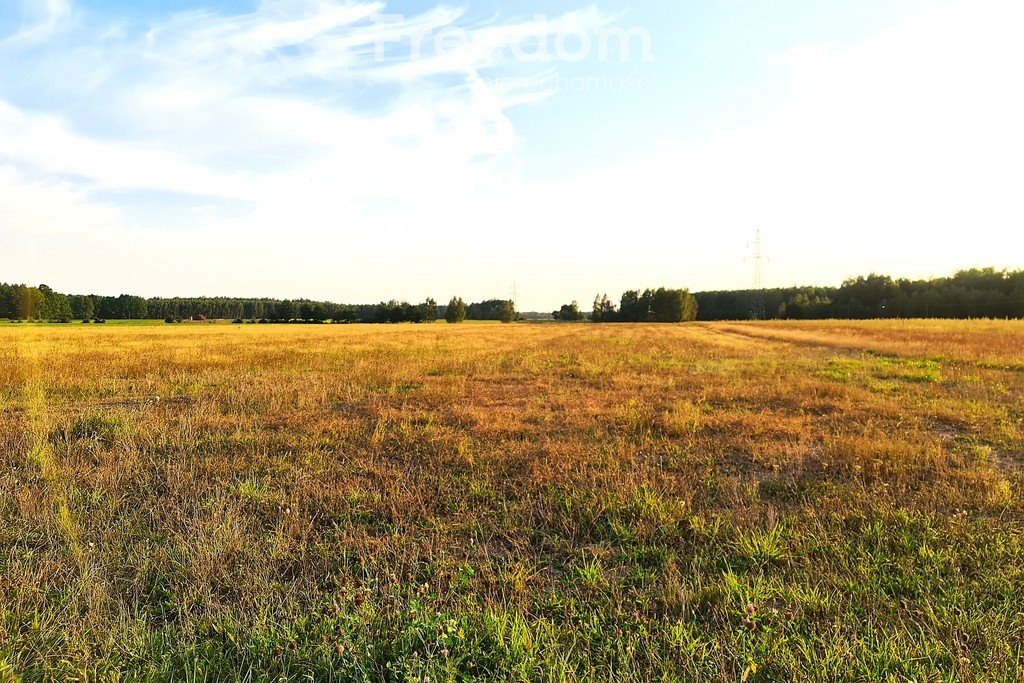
633,307
427,311
492,309
456,311
569,313
284,310
131,307
82,307
31,303
55,306
672,305
604,310
508,312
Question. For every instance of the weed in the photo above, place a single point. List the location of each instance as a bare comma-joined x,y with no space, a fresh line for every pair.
775,501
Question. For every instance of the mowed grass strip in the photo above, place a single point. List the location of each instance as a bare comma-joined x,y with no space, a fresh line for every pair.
811,501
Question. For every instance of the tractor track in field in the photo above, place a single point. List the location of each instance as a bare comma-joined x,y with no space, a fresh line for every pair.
741,334
1009,462
851,346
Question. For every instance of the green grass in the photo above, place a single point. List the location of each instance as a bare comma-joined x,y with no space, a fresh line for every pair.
513,503
74,323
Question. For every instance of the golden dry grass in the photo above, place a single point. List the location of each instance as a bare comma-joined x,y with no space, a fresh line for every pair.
823,501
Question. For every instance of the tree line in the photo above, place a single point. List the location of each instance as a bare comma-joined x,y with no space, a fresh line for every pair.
974,293
501,310
22,302
650,306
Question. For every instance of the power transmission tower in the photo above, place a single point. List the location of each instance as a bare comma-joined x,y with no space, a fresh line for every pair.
758,261
757,306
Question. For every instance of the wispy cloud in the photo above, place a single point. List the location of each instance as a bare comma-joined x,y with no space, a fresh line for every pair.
302,141
45,143
229,106
309,114
44,18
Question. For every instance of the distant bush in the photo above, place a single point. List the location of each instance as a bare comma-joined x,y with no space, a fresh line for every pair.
569,313
492,309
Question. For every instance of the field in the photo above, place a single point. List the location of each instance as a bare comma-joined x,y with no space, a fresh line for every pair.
721,502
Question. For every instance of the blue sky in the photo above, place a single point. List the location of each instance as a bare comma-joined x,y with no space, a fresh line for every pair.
357,150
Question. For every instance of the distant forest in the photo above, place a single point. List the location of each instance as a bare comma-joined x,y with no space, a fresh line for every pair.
22,302
975,293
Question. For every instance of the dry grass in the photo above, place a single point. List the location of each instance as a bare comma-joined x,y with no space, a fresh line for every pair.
818,501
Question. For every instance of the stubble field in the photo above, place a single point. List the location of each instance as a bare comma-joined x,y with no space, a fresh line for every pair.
722,502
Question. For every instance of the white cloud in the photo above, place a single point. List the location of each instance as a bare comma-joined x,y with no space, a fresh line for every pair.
45,208
45,143
46,17
897,155
209,105
804,56
255,110
312,169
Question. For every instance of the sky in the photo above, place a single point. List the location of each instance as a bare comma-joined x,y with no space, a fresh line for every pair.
364,150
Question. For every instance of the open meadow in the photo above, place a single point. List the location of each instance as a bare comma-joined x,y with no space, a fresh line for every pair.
828,501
